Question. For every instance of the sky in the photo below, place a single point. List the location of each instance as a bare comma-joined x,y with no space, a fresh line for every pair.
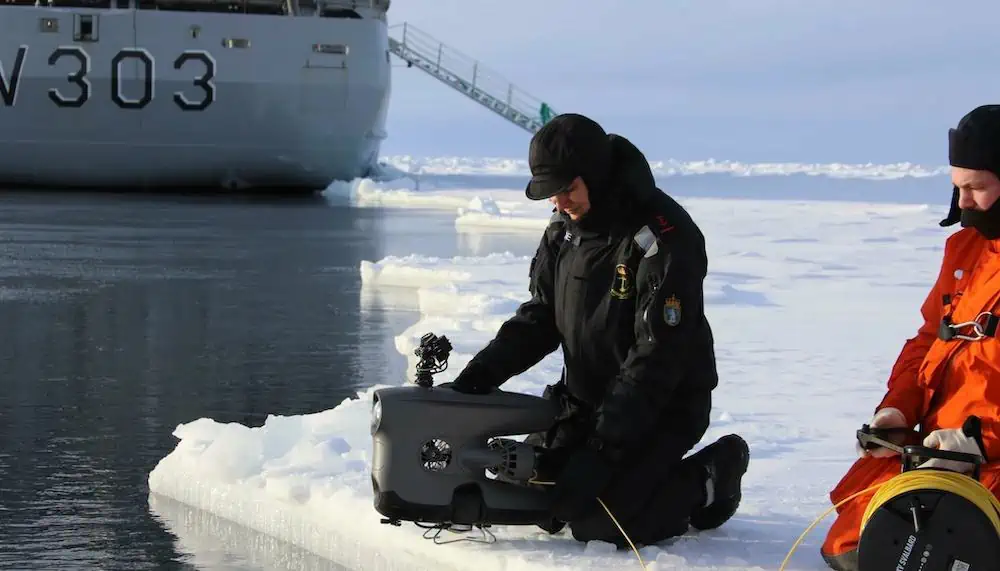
749,80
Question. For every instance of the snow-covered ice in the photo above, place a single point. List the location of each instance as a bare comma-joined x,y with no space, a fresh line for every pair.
500,165
810,301
212,542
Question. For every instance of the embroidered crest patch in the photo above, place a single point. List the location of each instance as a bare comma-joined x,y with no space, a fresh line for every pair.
624,285
672,311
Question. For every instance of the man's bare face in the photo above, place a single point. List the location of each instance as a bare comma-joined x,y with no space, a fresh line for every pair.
977,189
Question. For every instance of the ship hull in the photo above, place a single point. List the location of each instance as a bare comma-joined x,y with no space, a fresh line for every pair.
189,99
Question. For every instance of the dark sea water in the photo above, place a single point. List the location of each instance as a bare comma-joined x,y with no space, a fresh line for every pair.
121,317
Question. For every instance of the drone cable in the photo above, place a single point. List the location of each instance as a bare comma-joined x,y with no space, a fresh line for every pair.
613,519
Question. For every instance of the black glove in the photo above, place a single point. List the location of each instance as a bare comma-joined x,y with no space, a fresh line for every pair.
474,379
552,461
582,480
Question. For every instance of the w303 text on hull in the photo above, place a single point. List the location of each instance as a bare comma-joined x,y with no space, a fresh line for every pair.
192,93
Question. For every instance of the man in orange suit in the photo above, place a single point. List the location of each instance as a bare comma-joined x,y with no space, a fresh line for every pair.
951,369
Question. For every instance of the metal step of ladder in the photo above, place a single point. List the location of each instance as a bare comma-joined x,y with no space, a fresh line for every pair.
468,76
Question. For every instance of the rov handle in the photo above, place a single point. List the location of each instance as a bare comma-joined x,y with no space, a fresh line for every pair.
892,438
973,428
903,441
913,456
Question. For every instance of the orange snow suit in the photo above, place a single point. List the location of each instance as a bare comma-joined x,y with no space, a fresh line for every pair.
937,383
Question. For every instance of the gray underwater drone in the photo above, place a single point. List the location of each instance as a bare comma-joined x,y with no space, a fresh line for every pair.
446,458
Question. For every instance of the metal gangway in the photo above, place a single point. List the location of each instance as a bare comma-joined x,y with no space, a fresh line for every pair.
469,77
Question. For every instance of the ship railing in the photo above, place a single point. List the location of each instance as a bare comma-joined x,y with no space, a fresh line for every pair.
273,7
380,5
473,74
90,4
268,6
256,6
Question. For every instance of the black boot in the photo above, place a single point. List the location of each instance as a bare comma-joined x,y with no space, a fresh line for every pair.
725,461
553,526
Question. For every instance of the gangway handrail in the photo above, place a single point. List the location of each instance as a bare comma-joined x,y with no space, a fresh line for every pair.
470,76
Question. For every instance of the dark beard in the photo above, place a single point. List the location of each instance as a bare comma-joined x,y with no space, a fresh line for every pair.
987,222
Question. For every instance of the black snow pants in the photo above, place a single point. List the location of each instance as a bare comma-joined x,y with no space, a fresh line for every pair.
654,490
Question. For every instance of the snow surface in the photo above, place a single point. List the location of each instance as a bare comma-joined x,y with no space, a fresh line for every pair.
810,302
519,167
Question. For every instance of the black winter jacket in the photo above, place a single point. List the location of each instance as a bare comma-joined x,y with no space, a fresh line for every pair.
621,291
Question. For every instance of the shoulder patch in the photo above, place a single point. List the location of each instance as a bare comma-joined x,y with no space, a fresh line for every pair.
623,285
672,311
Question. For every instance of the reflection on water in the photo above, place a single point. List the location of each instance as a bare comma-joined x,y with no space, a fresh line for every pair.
126,316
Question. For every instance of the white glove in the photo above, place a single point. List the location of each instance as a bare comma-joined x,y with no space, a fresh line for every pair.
954,440
886,418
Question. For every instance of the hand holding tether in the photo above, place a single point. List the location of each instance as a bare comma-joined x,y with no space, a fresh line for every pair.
887,422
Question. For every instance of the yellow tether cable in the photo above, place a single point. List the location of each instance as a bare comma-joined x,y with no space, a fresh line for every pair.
913,480
952,482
